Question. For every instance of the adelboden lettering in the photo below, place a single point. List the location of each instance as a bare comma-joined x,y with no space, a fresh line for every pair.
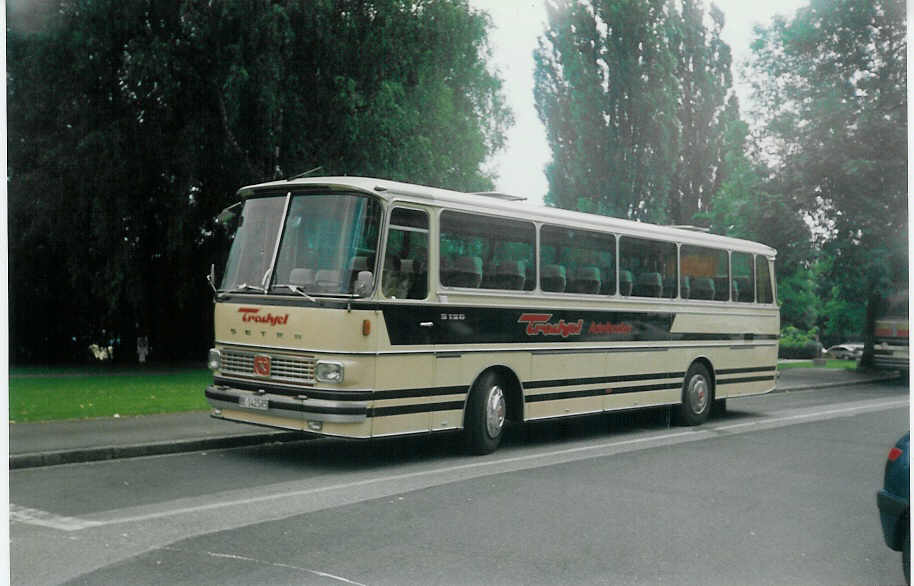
609,328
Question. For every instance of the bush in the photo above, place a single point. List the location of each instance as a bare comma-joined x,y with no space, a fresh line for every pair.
795,343
804,351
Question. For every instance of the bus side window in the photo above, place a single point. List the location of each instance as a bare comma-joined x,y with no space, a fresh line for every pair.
577,261
763,280
651,264
743,277
487,252
707,271
405,272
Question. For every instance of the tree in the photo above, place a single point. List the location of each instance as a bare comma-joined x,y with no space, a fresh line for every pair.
703,110
633,96
832,88
748,204
604,88
132,125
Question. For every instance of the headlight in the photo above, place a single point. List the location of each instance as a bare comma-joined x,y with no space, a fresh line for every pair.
214,362
329,372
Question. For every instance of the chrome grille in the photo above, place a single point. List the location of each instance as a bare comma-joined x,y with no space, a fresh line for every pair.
237,362
291,368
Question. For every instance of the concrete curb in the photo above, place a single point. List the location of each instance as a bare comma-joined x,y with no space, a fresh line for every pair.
81,455
835,384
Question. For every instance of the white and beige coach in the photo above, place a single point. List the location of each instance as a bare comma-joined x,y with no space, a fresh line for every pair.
364,308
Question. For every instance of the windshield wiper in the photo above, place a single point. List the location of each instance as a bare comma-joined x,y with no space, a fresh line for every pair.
244,287
266,279
296,289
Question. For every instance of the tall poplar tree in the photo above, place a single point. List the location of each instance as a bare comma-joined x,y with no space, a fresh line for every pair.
705,108
634,98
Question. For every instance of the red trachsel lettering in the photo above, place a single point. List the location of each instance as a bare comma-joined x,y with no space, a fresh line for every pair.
252,314
539,324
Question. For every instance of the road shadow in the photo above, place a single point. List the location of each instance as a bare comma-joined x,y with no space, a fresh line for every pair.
347,455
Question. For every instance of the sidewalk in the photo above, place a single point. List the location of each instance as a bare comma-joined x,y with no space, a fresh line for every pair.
795,379
62,442
106,438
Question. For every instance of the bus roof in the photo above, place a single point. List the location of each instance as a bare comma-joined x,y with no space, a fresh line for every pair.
513,207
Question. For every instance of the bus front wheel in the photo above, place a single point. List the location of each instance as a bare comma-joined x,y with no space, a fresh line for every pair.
697,396
484,422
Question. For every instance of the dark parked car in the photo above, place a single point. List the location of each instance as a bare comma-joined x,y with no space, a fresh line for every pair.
893,500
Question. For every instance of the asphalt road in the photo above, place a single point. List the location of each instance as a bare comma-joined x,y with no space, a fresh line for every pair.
780,490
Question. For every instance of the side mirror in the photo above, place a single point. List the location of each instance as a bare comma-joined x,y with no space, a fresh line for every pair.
362,285
228,215
211,277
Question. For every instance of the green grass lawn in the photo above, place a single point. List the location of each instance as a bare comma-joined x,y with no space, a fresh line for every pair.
48,394
830,363
45,394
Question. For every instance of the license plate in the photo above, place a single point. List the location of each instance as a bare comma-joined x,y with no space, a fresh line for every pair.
254,402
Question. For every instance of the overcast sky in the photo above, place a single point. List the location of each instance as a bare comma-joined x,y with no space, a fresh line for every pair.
518,24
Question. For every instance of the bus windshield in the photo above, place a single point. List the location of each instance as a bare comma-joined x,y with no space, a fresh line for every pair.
325,243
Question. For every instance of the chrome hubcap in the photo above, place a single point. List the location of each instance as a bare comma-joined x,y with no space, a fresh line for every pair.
495,411
698,393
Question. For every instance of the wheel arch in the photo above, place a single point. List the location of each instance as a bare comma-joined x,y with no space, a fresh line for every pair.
902,525
514,392
706,362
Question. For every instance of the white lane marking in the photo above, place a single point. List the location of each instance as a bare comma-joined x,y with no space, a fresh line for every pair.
20,514
395,478
691,434
500,464
243,558
866,406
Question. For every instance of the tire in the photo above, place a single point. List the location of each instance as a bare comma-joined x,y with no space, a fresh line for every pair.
485,418
697,396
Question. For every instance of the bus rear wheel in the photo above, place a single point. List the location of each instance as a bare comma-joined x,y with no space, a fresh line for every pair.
484,422
697,396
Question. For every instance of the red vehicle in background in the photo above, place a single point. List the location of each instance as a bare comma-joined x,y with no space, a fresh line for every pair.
891,343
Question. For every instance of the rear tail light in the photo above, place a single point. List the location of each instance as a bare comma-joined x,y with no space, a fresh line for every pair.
894,454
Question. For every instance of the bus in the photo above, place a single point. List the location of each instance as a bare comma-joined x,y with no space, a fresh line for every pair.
365,308
890,345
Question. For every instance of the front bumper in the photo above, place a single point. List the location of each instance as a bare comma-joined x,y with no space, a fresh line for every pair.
310,405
